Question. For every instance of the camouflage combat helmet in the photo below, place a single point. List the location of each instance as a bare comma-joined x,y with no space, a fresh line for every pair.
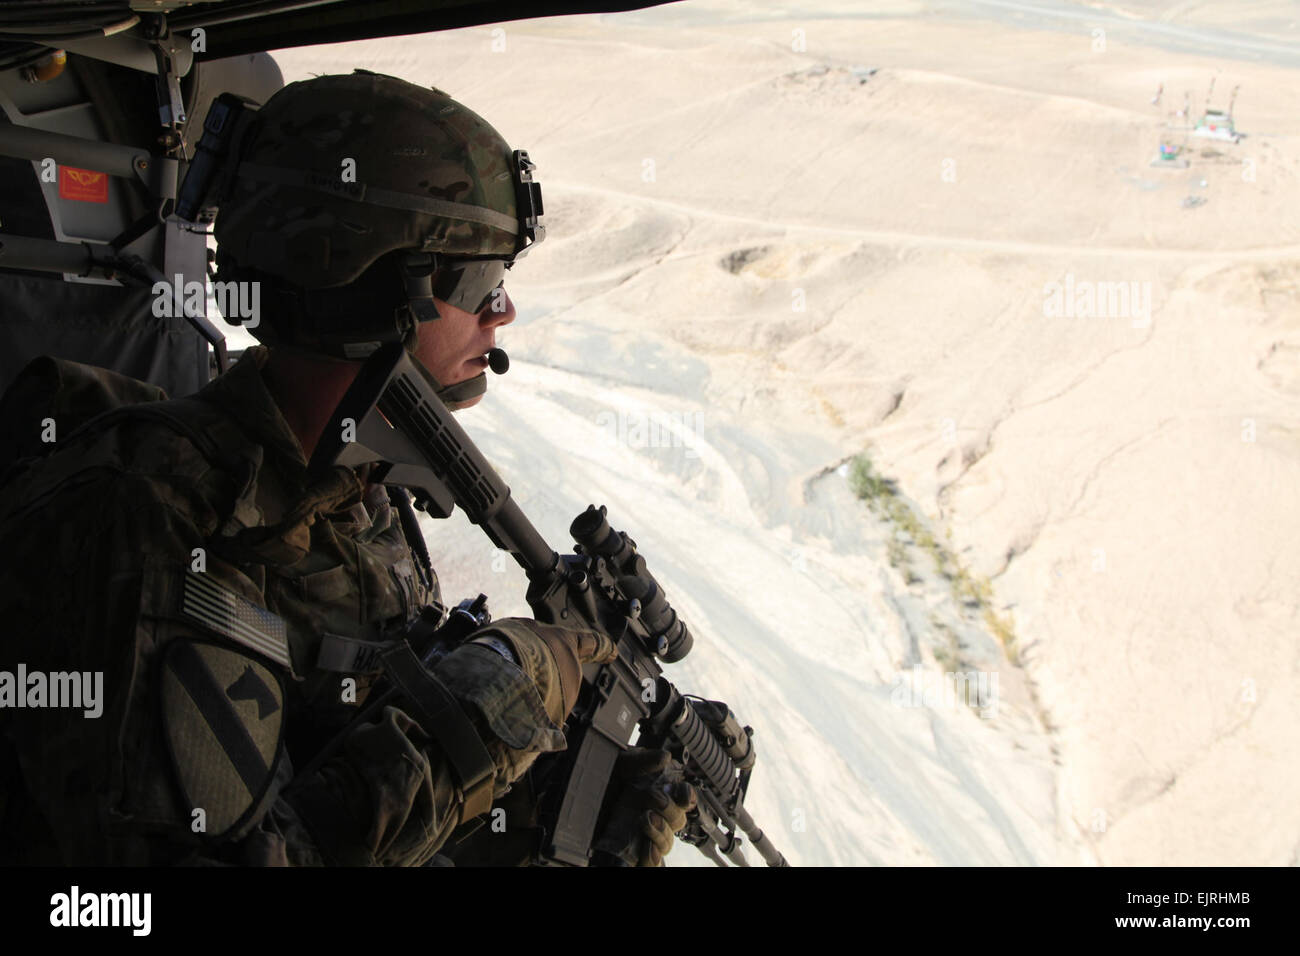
336,173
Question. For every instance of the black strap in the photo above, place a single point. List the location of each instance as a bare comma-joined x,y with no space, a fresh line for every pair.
411,530
135,230
445,720
199,433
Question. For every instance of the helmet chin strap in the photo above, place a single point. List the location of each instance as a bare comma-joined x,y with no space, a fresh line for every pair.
453,396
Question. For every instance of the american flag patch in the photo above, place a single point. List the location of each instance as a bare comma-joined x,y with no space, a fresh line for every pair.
222,611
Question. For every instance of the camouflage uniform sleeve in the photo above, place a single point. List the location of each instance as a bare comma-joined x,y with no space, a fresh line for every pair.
98,549
390,797
385,799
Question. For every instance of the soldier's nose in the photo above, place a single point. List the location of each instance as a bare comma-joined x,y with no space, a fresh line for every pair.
500,311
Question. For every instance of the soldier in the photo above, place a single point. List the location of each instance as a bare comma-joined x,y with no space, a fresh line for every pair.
240,607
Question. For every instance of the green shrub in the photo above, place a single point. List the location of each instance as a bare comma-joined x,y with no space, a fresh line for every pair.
865,483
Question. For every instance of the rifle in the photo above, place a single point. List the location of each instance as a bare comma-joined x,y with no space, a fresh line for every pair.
391,414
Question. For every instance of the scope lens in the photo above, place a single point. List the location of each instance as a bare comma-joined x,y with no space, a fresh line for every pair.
592,531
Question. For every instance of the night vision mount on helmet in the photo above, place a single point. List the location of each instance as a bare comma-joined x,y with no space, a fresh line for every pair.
355,201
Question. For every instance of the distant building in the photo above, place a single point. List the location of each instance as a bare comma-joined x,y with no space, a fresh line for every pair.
1216,124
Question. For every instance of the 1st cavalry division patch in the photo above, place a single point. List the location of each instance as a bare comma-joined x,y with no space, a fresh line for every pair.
223,712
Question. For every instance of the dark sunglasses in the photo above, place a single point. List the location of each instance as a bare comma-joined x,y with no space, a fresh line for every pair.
469,284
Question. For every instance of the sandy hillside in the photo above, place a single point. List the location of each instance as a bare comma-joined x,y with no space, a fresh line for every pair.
913,234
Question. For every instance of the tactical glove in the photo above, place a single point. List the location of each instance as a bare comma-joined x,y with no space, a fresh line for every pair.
521,705
648,804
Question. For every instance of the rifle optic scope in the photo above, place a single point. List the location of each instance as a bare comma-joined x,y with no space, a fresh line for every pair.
672,640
